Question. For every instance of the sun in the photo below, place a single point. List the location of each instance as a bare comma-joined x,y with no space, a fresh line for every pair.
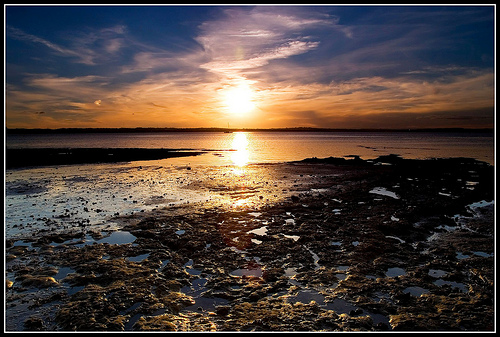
239,99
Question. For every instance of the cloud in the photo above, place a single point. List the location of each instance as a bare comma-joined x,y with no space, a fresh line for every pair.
20,35
305,67
99,46
90,48
243,40
79,86
356,99
233,68
55,95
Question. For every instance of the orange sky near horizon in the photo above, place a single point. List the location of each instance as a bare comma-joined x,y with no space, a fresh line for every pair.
250,67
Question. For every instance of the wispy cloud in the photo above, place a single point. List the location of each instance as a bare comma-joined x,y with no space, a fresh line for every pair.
86,48
306,66
99,46
20,35
243,40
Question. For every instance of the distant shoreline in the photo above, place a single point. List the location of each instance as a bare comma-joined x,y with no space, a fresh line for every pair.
10,131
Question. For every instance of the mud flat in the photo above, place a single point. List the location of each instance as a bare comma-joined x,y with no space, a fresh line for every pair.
353,245
68,156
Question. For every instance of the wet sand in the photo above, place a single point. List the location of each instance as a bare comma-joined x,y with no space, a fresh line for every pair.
318,245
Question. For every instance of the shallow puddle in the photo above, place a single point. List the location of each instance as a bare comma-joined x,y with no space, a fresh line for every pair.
164,263
259,231
395,272
115,238
415,291
206,303
257,272
341,277
383,191
201,303
118,238
482,254
339,305
138,258
63,272
437,273
306,296
189,268
461,286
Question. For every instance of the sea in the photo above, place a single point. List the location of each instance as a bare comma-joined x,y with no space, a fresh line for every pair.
59,198
272,147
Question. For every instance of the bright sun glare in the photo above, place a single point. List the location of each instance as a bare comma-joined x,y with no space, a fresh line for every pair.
240,156
239,99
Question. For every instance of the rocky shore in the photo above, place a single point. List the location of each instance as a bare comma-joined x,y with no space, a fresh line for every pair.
355,245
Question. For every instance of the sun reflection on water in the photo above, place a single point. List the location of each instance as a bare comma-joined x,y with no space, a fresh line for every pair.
241,156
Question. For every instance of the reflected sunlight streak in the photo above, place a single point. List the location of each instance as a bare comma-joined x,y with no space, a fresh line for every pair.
241,156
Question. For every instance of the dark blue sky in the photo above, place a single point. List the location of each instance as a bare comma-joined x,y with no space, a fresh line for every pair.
255,66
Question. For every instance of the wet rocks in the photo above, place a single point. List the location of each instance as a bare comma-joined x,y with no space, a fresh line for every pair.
34,324
332,257
37,281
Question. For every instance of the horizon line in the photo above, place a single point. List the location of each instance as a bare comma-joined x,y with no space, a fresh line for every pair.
222,129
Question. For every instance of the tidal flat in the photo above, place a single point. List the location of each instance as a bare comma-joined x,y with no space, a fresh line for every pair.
331,244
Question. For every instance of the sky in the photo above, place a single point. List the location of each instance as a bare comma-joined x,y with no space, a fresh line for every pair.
249,66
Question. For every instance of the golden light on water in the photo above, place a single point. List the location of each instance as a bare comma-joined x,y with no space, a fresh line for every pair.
241,156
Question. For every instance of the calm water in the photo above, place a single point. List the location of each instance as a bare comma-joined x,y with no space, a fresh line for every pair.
63,197
266,147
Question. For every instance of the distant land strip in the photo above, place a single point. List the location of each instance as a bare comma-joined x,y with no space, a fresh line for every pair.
16,158
297,129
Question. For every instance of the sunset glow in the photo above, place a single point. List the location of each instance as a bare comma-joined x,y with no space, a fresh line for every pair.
227,168
239,100
256,66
